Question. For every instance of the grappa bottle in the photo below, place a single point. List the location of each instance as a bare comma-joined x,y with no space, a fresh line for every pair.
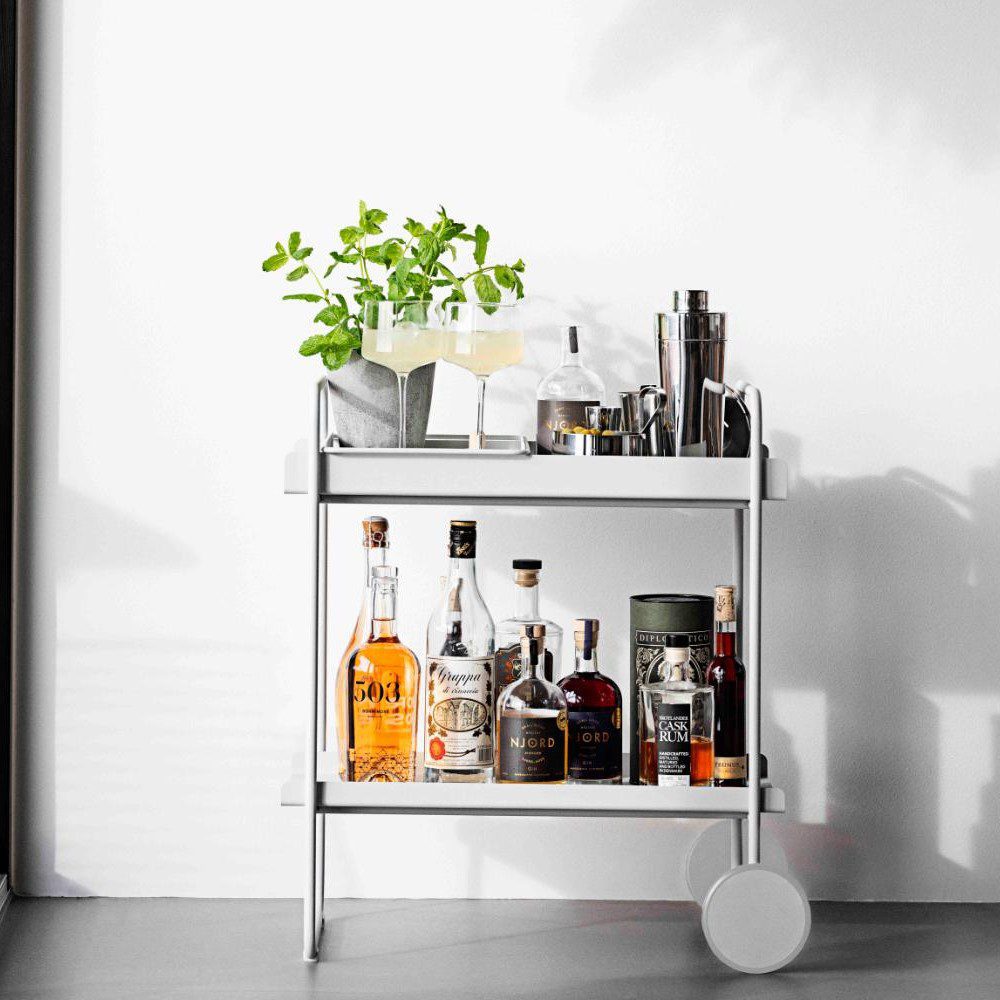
566,392
458,705
532,723
383,678
508,654
727,678
595,713
375,540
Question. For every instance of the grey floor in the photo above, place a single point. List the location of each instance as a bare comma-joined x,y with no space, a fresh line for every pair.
106,949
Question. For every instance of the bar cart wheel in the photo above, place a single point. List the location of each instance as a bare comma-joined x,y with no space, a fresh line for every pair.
756,919
715,851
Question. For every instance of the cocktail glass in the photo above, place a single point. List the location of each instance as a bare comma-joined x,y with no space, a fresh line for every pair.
403,335
482,338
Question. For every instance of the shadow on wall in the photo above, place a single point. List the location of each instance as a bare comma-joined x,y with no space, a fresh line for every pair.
884,585
922,63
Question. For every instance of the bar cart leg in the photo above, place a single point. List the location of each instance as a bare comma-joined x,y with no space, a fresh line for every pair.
738,575
735,842
312,901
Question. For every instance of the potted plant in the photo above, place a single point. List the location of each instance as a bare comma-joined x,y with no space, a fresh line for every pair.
403,269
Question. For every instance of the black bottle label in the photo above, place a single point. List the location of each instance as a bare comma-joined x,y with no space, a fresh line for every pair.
532,748
595,744
560,415
673,744
507,666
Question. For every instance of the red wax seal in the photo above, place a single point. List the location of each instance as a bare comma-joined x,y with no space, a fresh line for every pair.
437,748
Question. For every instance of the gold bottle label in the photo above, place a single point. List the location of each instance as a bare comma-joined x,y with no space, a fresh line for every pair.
730,768
459,735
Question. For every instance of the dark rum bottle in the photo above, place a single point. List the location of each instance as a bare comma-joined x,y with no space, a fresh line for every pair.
727,678
595,714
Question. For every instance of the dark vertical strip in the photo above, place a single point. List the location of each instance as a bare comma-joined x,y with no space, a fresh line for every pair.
8,158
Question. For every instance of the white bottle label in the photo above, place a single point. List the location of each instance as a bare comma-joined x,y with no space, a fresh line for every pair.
459,730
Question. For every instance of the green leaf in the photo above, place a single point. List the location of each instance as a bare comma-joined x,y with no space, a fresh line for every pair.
329,271
350,235
275,263
482,238
302,253
336,357
300,272
392,253
280,248
415,228
428,250
505,277
293,243
485,288
313,345
450,275
518,265
331,315
372,219
303,296
452,229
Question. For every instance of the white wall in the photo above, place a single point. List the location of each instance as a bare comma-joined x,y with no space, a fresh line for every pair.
828,170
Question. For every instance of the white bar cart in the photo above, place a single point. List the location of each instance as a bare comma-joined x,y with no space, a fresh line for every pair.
755,915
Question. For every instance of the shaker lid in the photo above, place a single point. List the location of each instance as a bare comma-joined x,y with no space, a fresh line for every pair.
691,300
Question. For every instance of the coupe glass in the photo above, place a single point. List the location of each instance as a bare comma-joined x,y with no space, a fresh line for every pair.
482,338
403,336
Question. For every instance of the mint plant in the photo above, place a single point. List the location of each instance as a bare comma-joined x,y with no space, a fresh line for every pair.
394,268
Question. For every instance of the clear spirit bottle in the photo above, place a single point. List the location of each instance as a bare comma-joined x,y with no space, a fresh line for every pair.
676,733
727,678
566,392
375,540
532,722
595,713
458,703
383,685
508,655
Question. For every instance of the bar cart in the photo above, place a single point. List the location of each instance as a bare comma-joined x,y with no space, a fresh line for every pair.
755,916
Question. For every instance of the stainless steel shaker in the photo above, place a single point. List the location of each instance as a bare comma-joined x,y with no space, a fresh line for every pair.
691,342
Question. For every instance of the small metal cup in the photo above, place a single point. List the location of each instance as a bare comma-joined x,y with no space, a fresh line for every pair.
604,418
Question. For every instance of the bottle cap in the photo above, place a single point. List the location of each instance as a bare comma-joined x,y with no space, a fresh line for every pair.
527,564
375,532
585,632
462,540
573,339
725,604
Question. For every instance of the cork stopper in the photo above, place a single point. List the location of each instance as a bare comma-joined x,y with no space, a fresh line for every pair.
725,604
526,572
375,532
585,631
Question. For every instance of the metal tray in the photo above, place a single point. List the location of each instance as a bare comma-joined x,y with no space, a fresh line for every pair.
441,446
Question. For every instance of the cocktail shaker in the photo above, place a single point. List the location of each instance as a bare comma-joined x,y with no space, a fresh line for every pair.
691,343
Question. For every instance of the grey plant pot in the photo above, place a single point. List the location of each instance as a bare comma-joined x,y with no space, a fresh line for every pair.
364,404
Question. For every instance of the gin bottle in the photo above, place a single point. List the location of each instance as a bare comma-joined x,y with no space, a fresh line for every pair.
595,713
532,723
676,732
458,703
375,540
566,392
508,654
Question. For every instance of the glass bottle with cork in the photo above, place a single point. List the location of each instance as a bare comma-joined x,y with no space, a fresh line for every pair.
508,655
375,542
383,685
726,677
676,725
594,703
532,723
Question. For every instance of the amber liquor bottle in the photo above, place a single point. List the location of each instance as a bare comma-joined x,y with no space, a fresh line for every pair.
383,684
594,703
727,678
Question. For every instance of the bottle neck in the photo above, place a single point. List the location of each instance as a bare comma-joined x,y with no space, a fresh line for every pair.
383,606
378,556
463,569
586,660
526,602
532,658
571,349
725,638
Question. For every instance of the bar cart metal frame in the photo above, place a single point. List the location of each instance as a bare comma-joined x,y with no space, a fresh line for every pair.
755,915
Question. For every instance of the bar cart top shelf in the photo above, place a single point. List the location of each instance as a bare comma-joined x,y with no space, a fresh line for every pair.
546,479
335,795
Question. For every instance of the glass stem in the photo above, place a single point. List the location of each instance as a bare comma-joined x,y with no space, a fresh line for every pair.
480,437
401,381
